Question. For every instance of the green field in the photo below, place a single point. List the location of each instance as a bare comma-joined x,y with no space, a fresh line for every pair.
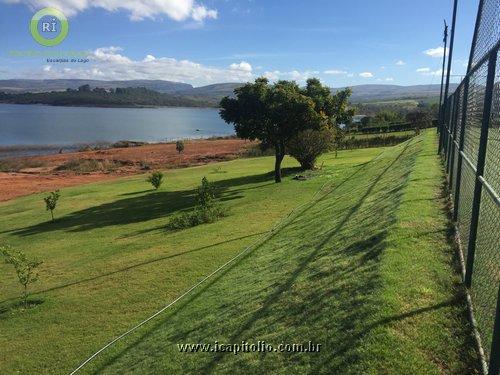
363,268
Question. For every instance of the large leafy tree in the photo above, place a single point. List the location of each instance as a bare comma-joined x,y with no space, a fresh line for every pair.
275,114
272,114
334,108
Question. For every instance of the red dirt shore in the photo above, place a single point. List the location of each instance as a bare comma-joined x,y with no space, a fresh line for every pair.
131,160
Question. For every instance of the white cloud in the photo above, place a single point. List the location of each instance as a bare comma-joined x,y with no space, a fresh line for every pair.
149,58
366,75
436,52
46,68
272,76
242,66
389,79
294,75
429,72
423,70
335,72
178,10
200,13
109,63
400,63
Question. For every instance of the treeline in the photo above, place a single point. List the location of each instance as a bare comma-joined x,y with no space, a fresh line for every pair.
349,143
99,97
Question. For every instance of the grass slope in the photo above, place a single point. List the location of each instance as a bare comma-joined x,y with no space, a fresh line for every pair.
365,270
108,261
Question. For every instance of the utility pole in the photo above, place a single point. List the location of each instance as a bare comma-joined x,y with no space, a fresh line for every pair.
450,58
445,41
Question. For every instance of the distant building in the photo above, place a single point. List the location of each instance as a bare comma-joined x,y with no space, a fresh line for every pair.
356,119
355,122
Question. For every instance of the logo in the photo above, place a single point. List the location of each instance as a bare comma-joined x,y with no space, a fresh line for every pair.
49,27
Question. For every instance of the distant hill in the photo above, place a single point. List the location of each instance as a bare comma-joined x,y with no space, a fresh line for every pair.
44,85
212,94
369,93
360,93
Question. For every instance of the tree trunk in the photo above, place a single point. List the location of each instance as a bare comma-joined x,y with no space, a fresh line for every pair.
280,154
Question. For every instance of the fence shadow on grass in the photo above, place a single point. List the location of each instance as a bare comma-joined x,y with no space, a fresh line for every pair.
347,283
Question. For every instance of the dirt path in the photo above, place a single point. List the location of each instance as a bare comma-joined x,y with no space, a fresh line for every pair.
128,161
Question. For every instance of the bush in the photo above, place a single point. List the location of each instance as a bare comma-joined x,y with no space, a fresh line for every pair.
15,165
91,165
378,141
257,150
206,211
179,146
200,215
309,144
156,179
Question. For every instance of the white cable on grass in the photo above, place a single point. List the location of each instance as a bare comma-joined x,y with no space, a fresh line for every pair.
260,239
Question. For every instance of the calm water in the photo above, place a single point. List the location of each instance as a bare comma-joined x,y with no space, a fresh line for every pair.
43,125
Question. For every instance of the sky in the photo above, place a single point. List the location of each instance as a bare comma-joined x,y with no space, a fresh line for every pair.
203,42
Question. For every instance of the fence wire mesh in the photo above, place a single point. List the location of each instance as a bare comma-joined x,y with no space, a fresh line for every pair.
470,146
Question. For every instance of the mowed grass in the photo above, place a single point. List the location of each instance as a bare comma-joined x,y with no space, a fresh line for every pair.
365,270
109,262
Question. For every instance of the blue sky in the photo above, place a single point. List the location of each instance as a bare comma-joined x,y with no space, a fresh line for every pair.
210,41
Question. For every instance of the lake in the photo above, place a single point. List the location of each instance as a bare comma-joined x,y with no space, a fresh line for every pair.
37,125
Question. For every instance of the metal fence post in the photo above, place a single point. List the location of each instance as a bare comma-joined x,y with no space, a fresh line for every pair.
494,366
483,141
454,136
445,127
456,199
448,130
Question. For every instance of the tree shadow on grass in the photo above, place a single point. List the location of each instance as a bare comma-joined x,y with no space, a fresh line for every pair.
135,265
145,207
16,305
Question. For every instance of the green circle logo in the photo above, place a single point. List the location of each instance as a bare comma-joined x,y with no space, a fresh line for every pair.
49,27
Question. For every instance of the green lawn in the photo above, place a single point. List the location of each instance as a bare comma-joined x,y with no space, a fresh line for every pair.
364,270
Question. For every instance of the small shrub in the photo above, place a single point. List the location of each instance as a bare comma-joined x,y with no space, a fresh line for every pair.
200,215
51,202
309,144
25,269
126,144
257,150
90,165
206,211
179,146
15,165
145,166
156,179
206,193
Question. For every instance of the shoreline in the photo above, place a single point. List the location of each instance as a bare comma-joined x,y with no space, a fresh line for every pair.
34,150
21,176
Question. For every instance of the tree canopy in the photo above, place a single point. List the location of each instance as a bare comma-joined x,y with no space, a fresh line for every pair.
276,113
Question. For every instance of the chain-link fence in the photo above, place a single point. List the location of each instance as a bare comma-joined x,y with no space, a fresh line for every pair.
470,145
